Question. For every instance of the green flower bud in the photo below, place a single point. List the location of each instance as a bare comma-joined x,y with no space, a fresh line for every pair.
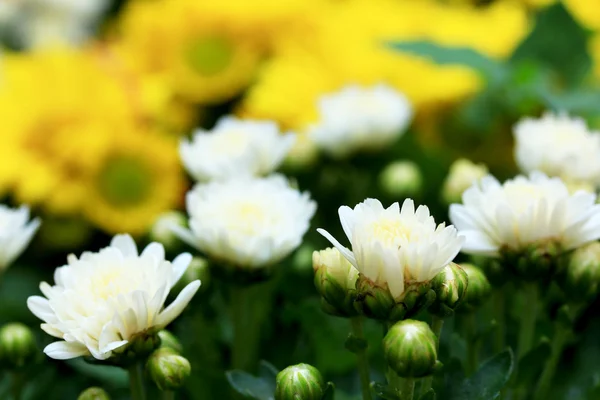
300,381
582,274
401,179
197,270
93,393
450,287
410,349
375,301
161,229
463,173
335,280
168,369
17,346
167,339
479,288
536,261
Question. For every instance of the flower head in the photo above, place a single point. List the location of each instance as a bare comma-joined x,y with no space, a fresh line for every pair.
235,147
524,211
102,302
395,246
558,145
300,381
359,118
247,222
16,231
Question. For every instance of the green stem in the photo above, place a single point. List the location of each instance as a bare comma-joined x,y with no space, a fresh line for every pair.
250,305
561,335
528,319
408,389
363,361
17,385
500,331
472,343
437,324
136,382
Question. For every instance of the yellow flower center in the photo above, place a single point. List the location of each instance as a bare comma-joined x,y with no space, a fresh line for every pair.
125,181
209,55
389,231
106,284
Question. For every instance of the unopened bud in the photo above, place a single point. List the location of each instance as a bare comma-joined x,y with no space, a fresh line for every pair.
582,276
301,381
335,280
302,155
167,339
401,179
463,173
450,287
479,288
410,349
162,232
94,393
168,369
17,346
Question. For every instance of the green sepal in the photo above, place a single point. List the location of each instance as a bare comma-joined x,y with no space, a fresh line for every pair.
355,344
385,392
329,391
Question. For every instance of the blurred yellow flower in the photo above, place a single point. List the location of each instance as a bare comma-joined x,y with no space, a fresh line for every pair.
347,46
138,178
585,11
72,129
208,51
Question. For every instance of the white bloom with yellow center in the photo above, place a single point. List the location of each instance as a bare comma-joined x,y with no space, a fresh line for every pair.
558,145
235,147
396,245
248,222
101,301
358,118
524,211
16,231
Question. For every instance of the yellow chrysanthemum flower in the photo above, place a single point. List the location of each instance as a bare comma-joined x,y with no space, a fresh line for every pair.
78,140
346,46
586,12
209,53
138,178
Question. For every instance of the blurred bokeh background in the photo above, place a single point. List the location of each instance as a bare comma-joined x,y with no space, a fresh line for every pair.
95,96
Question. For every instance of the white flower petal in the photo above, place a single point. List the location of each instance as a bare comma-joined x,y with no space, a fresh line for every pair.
65,350
177,306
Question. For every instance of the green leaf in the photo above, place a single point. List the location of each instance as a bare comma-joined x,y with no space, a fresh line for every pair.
329,392
428,395
384,391
488,381
259,388
443,55
558,42
532,364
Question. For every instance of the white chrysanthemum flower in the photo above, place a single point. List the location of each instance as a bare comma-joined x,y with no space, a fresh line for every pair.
248,222
16,231
358,118
102,301
234,147
395,246
524,211
558,145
